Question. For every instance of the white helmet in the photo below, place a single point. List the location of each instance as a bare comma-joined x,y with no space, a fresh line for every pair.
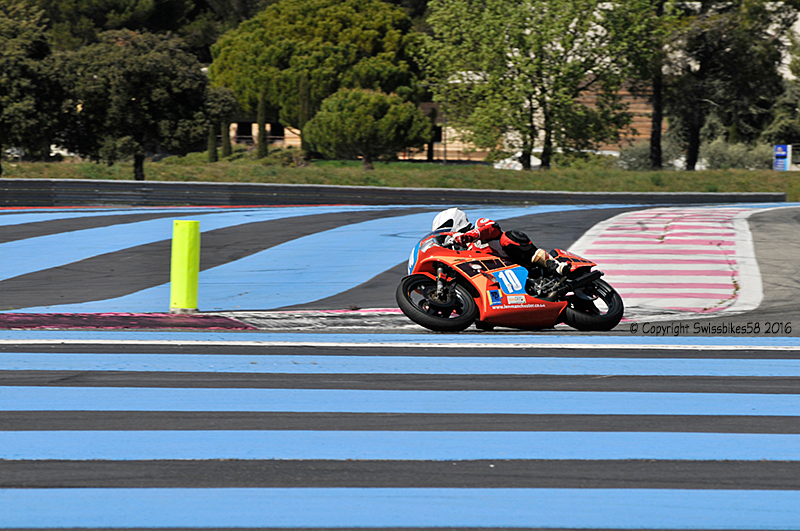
453,219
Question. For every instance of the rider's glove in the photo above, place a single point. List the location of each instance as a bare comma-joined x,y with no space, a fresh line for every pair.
466,237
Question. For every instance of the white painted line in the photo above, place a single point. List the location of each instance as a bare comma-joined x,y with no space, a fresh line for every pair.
410,344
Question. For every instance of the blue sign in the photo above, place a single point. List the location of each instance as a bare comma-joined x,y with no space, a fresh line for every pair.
783,157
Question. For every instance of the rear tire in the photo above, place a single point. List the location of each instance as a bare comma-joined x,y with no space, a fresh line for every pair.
583,312
454,315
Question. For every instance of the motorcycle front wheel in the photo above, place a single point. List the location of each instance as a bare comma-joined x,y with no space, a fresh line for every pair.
416,298
596,307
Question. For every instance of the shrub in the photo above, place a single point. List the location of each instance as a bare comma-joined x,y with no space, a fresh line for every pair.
287,158
720,155
636,157
363,123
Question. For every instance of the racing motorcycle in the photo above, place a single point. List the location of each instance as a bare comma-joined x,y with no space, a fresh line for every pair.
450,287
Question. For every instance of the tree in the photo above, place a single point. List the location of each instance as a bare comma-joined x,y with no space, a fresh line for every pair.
364,123
220,105
242,65
296,53
727,69
79,23
28,93
650,25
510,73
133,93
784,126
76,23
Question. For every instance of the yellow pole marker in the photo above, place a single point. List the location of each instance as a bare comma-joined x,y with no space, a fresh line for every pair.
185,266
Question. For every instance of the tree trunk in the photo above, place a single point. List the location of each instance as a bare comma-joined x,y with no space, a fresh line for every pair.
304,110
1,160
656,156
225,132
263,141
432,117
525,159
547,148
367,165
657,119
693,147
212,143
138,166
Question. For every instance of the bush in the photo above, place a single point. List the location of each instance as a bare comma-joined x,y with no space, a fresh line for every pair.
720,155
636,157
583,160
286,158
368,124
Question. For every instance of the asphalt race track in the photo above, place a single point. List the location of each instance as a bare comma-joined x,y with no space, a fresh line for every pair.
300,398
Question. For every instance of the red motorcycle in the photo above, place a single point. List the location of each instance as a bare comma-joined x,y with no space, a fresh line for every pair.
449,287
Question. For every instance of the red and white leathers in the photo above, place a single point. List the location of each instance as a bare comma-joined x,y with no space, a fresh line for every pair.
486,233
487,236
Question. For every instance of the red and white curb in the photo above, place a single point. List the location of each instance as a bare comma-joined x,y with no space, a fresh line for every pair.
678,262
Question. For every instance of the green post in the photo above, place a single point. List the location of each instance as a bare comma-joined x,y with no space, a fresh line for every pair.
185,266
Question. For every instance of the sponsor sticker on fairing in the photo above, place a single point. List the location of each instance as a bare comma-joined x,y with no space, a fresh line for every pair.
516,299
495,297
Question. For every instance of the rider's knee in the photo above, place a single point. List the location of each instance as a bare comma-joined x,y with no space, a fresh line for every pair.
517,246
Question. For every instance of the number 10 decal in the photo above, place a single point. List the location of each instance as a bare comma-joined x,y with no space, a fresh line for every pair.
510,281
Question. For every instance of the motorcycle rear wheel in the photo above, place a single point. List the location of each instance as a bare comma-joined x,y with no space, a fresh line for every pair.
454,315
583,312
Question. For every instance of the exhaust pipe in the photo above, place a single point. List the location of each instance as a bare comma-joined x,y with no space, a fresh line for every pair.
572,285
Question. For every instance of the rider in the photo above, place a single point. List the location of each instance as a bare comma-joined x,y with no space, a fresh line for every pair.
487,236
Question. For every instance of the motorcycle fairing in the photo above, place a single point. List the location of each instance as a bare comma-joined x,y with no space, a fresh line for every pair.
512,280
502,299
575,260
509,305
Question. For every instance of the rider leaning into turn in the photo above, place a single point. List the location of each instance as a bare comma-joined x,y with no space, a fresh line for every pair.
487,236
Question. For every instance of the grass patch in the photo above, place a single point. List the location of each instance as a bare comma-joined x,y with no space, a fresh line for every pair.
241,167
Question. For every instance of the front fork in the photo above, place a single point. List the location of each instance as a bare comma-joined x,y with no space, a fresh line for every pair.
440,284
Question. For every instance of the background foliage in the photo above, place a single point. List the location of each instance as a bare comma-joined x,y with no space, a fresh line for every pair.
368,124
130,94
534,76
286,60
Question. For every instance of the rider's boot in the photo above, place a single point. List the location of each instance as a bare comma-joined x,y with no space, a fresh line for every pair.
546,262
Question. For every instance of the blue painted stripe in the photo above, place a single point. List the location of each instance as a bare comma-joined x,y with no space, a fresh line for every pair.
394,445
9,218
390,507
291,364
301,270
369,401
35,254
497,341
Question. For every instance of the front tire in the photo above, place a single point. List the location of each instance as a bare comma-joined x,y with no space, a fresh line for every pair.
415,298
596,307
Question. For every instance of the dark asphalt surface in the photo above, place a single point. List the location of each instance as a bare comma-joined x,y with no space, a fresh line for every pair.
556,229
776,239
146,266
668,474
